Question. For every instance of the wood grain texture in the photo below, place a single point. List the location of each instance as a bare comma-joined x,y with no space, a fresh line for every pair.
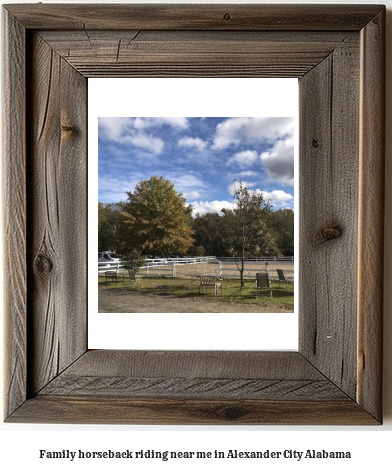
200,387
57,215
371,216
329,199
14,212
188,387
196,53
206,374
335,378
122,410
195,17
208,364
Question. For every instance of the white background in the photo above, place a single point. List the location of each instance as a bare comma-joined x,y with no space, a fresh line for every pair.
185,98
370,446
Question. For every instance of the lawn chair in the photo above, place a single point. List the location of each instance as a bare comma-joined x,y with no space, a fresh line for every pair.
282,277
210,281
262,283
113,275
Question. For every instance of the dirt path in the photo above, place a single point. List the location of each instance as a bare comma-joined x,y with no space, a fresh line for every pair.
118,300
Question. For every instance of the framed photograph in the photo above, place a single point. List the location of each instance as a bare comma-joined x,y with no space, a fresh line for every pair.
205,156
337,52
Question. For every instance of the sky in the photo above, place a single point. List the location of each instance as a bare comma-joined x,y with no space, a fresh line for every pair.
201,156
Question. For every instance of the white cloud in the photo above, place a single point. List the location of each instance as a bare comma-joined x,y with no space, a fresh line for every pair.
147,142
186,182
233,186
278,197
190,142
202,207
112,196
112,128
150,122
123,131
243,158
189,184
245,130
279,161
120,131
114,190
240,174
248,173
191,195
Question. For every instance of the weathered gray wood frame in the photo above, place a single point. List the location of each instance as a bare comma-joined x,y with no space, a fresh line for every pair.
337,52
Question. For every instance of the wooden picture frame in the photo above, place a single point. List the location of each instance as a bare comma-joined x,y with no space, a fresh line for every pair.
337,52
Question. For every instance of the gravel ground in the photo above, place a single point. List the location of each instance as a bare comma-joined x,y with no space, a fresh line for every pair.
122,300
119,300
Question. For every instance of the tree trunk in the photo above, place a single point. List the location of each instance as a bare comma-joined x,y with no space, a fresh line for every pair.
242,270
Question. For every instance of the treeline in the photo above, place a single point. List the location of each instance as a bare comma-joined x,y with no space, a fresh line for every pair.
210,233
156,220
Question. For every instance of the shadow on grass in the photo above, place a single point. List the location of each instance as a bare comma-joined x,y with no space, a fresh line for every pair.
183,288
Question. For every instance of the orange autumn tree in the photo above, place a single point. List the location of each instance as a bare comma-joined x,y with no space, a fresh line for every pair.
157,220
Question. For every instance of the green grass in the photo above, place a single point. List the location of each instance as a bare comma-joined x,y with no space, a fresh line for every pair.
231,290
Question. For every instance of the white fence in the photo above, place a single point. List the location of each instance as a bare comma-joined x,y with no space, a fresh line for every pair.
157,266
257,259
227,266
229,269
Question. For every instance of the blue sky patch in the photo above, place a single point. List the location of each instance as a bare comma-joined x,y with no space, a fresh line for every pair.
201,156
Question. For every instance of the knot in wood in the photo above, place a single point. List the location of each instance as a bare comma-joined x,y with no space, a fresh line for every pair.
69,128
227,16
315,143
329,232
43,264
232,413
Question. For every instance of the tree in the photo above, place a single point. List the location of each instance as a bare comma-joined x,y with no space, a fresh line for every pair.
132,260
245,227
109,225
208,233
156,218
199,251
282,226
